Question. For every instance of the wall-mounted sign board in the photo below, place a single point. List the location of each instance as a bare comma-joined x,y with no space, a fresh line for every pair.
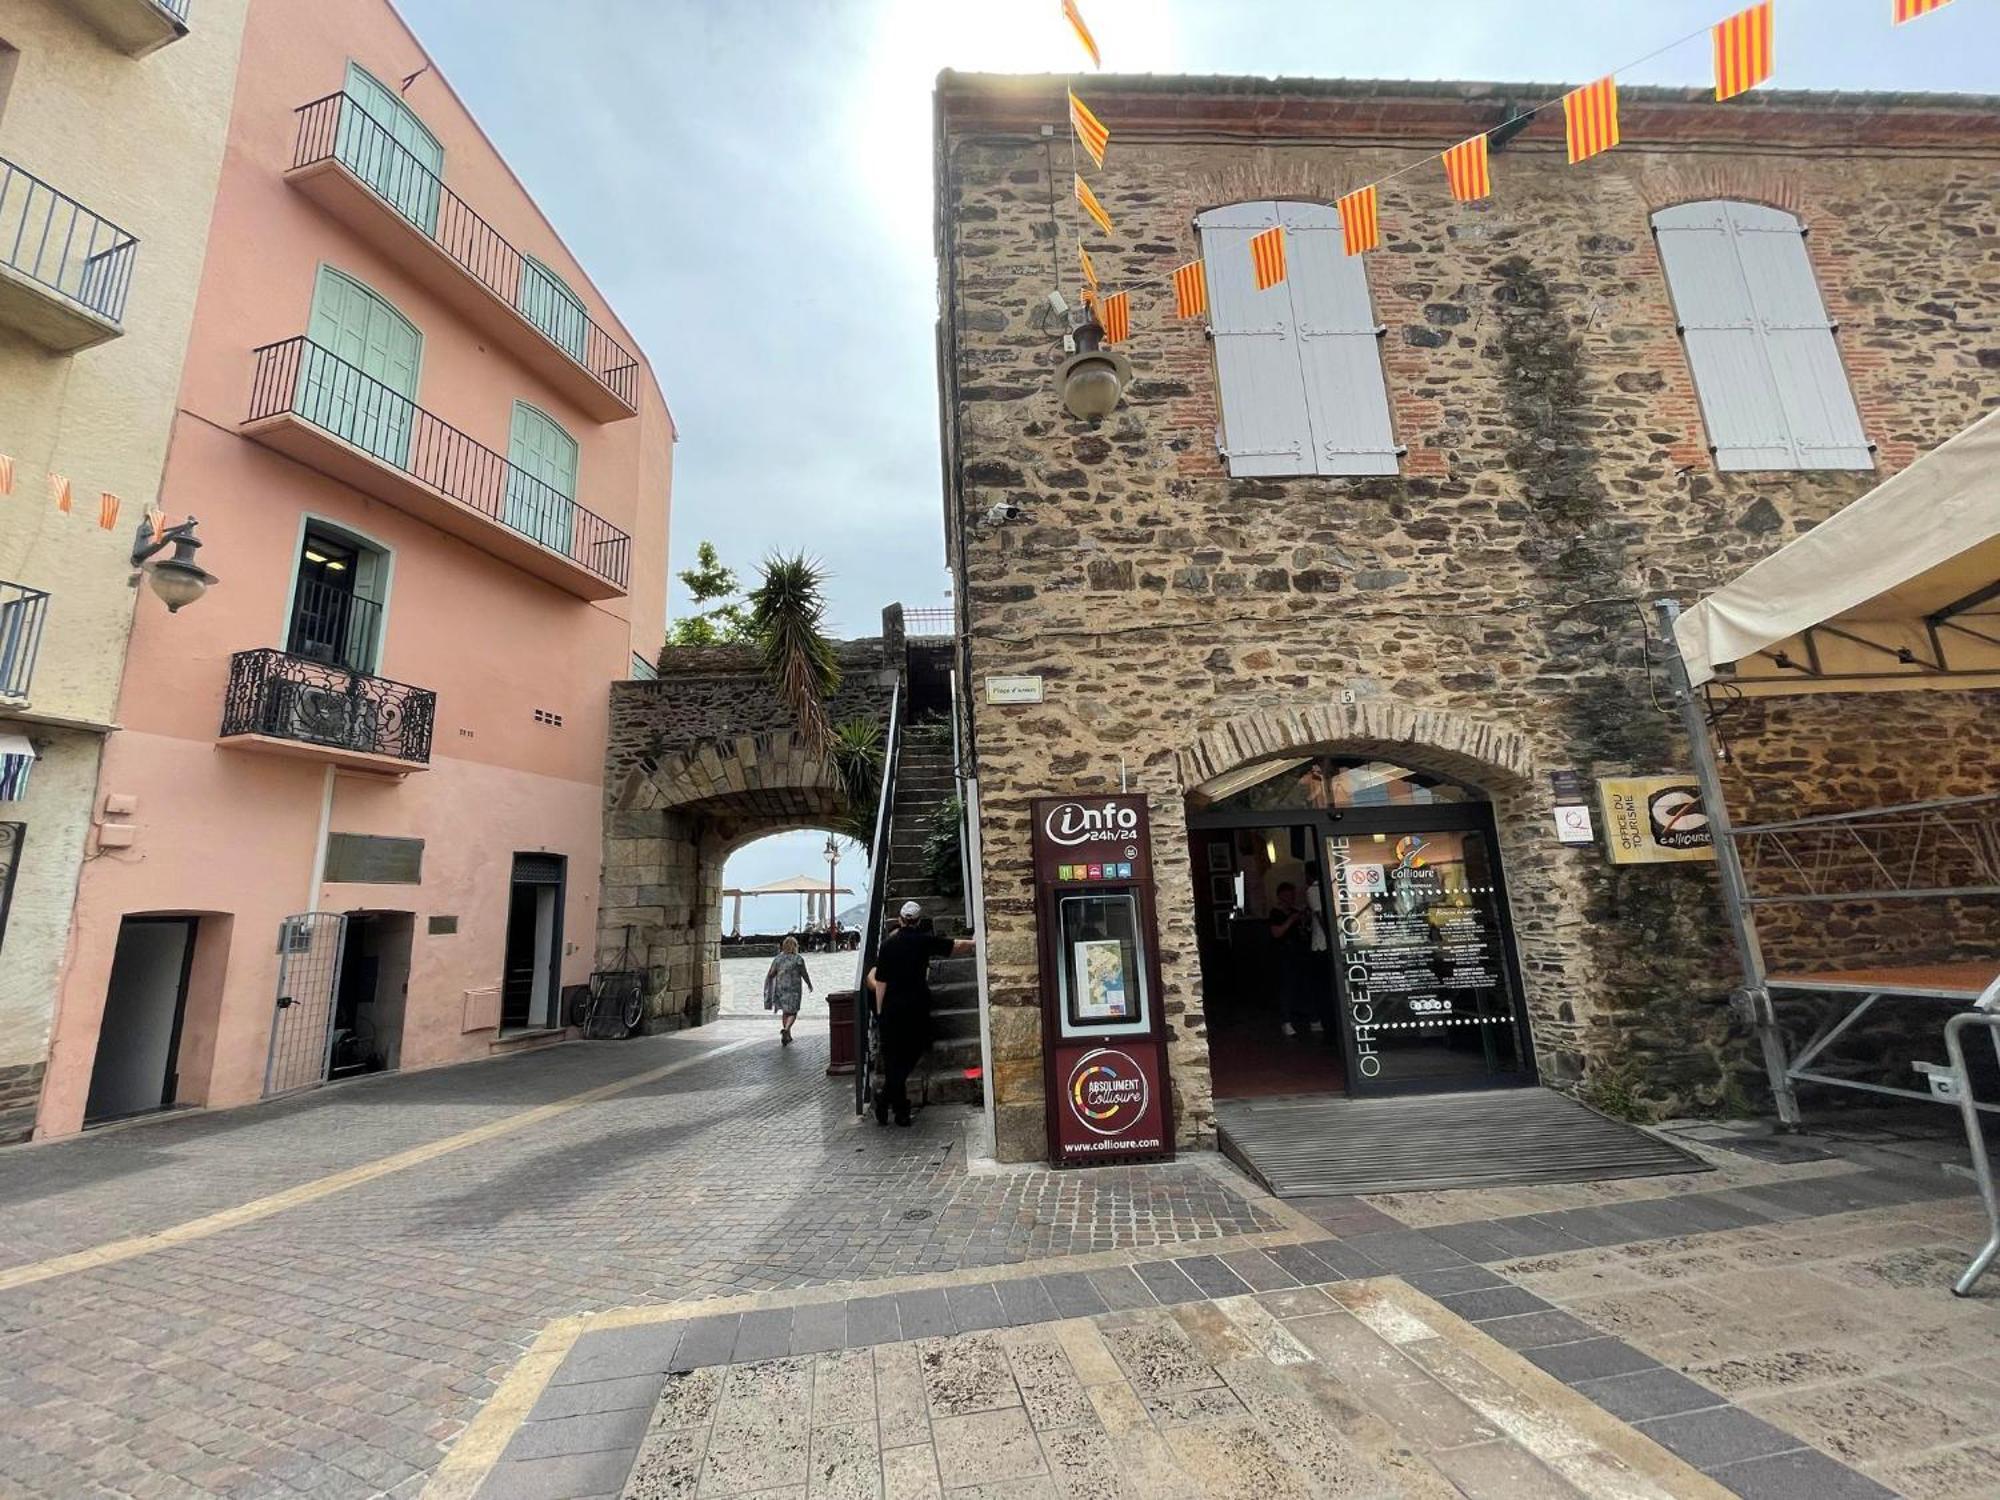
1014,690
1650,820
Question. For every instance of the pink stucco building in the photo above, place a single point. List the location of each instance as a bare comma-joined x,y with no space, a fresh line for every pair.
350,819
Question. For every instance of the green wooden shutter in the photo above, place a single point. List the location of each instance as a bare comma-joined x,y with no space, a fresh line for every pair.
384,144
358,379
541,486
546,300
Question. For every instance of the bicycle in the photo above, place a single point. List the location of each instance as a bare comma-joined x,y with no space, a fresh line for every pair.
614,1003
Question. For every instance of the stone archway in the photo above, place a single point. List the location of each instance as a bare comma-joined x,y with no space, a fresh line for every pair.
1487,755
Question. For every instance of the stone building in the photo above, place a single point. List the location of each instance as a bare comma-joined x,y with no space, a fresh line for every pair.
1406,575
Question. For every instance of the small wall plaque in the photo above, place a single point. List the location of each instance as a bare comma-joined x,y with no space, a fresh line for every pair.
1014,689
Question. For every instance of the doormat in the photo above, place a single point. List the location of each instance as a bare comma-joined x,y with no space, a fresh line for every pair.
1312,1146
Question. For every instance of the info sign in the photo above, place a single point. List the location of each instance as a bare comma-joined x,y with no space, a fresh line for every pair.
1650,820
1110,1105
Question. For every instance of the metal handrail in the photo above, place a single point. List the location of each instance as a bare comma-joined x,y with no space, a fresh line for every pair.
305,380
340,128
1984,1014
59,244
287,697
878,895
23,612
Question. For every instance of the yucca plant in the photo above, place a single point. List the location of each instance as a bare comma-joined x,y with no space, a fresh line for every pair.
856,753
786,611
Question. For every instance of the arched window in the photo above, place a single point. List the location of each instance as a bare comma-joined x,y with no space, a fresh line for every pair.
541,479
1299,365
384,143
358,379
546,300
1759,343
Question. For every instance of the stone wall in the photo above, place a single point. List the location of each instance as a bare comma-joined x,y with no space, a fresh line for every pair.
1556,460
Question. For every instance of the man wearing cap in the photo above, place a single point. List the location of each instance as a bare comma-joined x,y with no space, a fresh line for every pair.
900,982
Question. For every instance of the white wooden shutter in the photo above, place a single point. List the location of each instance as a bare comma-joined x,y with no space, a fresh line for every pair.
1265,428
1758,341
1340,354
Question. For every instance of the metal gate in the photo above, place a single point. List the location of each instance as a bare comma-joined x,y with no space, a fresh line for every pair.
308,980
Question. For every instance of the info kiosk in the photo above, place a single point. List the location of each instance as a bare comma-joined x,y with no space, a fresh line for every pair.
1103,1038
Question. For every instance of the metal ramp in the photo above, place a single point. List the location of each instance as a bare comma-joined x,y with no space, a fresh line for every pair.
1316,1146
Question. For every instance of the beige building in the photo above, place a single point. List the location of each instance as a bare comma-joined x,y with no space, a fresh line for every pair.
112,119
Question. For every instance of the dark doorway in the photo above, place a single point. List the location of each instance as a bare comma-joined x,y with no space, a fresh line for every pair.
138,1044
531,974
374,985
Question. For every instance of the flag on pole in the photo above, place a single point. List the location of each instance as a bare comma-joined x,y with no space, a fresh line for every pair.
1089,129
1591,113
1742,51
6,474
1089,268
1267,257
107,510
1075,18
1092,207
1190,290
1115,313
1465,168
1360,222
59,492
1909,10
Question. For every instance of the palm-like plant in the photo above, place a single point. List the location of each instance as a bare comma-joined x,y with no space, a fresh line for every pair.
786,611
856,753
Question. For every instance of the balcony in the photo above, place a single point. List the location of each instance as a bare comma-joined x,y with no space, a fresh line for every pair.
135,27
63,269
280,704
355,169
23,611
327,414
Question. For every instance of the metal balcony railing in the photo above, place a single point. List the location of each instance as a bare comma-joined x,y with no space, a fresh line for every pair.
23,611
928,624
56,242
303,379
290,697
339,128
178,9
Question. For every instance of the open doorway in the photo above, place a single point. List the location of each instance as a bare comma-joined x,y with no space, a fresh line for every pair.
374,985
138,1043
531,971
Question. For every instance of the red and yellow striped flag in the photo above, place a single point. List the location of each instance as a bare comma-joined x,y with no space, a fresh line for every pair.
1089,268
107,510
6,474
1089,129
1267,257
1742,51
59,492
1909,10
1092,207
1115,313
1592,115
1360,221
1190,290
1075,18
1465,168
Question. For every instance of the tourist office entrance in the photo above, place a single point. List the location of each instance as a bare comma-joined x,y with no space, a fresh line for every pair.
1353,930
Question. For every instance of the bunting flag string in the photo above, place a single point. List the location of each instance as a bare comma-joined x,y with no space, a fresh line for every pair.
1743,51
1089,268
1591,114
59,492
1360,224
1115,315
1191,290
6,474
1909,10
1267,257
1465,168
1075,18
1092,207
107,510
1089,129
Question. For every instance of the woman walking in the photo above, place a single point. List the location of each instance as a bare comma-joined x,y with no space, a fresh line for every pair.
781,986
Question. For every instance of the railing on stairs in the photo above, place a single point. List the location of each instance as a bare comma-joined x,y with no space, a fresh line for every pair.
878,896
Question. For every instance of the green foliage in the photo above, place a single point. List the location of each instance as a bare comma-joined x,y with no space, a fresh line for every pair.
856,752
787,611
942,864
932,732
1610,1091
711,623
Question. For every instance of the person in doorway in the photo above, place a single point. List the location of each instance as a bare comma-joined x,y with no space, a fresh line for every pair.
781,987
1320,994
900,983
1291,947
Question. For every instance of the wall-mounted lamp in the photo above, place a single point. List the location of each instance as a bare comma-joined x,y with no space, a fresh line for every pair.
179,579
1092,379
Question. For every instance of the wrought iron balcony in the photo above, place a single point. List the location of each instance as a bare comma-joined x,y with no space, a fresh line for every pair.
292,705
314,406
136,27
23,611
353,166
64,270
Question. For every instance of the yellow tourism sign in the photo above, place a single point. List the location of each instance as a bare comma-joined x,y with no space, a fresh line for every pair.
1650,820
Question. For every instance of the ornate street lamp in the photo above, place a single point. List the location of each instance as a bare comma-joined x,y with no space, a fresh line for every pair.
1092,379
179,579
832,852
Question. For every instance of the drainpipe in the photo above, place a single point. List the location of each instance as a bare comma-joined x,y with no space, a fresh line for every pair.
320,843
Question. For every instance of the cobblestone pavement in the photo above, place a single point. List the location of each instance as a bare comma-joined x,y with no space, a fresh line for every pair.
337,1347
743,986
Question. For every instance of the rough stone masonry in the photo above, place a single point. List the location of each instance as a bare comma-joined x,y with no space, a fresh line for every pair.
1482,607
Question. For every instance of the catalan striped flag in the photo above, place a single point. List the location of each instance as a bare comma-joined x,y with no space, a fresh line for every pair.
1115,313
1190,290
6,474
1089,268
1591,113
1465,168
1743,51
1089,129
1092,207
59,492
107,510
1360,221
1909,10
1267,257
1075,18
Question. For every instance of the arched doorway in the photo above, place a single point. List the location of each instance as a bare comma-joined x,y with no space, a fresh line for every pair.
1353,932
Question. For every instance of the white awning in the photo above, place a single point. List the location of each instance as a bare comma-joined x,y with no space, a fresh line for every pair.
16,744
1899,590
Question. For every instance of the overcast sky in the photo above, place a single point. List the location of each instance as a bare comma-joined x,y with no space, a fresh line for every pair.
748,182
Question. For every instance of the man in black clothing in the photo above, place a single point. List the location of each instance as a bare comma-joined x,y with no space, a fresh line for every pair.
900,982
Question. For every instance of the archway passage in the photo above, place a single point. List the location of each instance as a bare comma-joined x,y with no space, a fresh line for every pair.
1352,926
